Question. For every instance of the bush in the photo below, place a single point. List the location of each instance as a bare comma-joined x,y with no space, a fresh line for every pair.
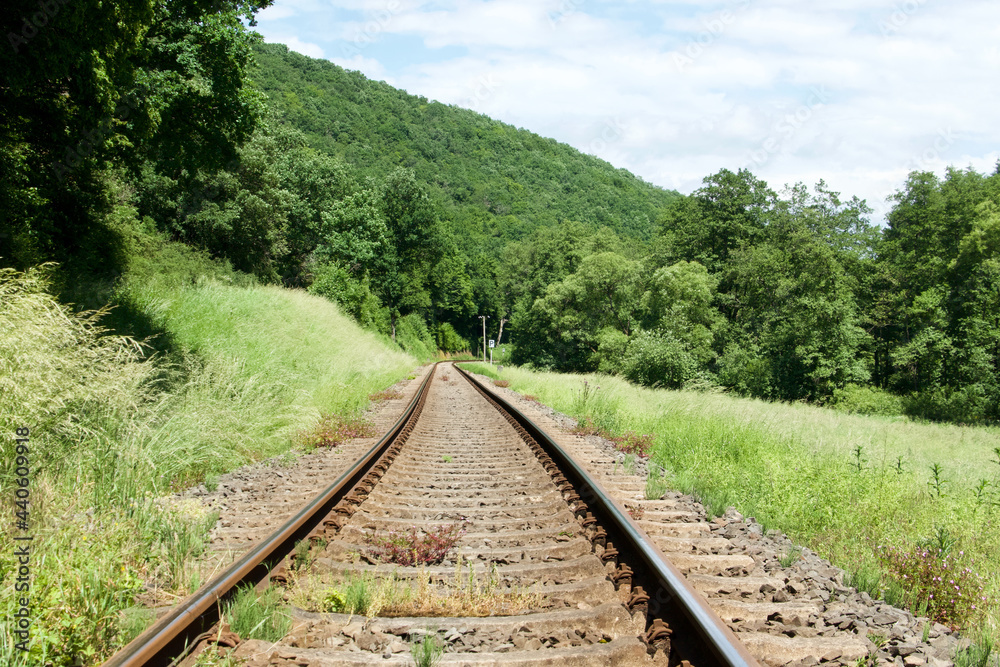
968,405
658,359
449,340
867,401
334,282
413,336
611,347
746,371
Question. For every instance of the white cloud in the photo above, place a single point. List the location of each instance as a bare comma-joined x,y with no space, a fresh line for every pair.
305,48
276,13
370,67
696,93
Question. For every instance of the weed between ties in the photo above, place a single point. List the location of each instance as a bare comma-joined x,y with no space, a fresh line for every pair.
258,617
390,595
413,547
427,651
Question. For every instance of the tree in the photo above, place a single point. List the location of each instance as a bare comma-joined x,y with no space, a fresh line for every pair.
404,268
556,332
87,82
242,213
680,304
796,310
451,288
730,211
611,291
658,359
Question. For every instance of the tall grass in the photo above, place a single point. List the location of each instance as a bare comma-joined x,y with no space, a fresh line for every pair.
239,370
797,468
260,363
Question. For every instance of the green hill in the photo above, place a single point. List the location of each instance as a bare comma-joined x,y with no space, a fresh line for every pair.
471,163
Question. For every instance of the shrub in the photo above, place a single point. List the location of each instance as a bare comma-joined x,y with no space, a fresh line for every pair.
501,383
968,405
448,339
413,547
936,580
658,359
746,371
867,401
413,336
611,347
335,283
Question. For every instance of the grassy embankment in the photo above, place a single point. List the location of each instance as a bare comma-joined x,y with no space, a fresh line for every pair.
842,484
241,369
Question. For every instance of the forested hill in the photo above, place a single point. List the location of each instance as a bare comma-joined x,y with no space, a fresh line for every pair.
471,163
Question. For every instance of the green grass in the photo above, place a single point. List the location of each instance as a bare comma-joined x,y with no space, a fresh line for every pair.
427,652
656,484
254,615
238,370
795,468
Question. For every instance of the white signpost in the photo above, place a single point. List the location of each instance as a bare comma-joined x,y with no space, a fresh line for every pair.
493,344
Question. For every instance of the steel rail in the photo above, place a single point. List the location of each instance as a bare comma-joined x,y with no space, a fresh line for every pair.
699,634
171,635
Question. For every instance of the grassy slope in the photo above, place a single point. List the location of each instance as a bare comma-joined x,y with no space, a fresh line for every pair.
790,466
246,367
262,346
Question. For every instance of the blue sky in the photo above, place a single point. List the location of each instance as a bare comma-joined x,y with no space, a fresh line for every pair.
857,93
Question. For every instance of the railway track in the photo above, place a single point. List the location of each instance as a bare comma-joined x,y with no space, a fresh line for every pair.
545,568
